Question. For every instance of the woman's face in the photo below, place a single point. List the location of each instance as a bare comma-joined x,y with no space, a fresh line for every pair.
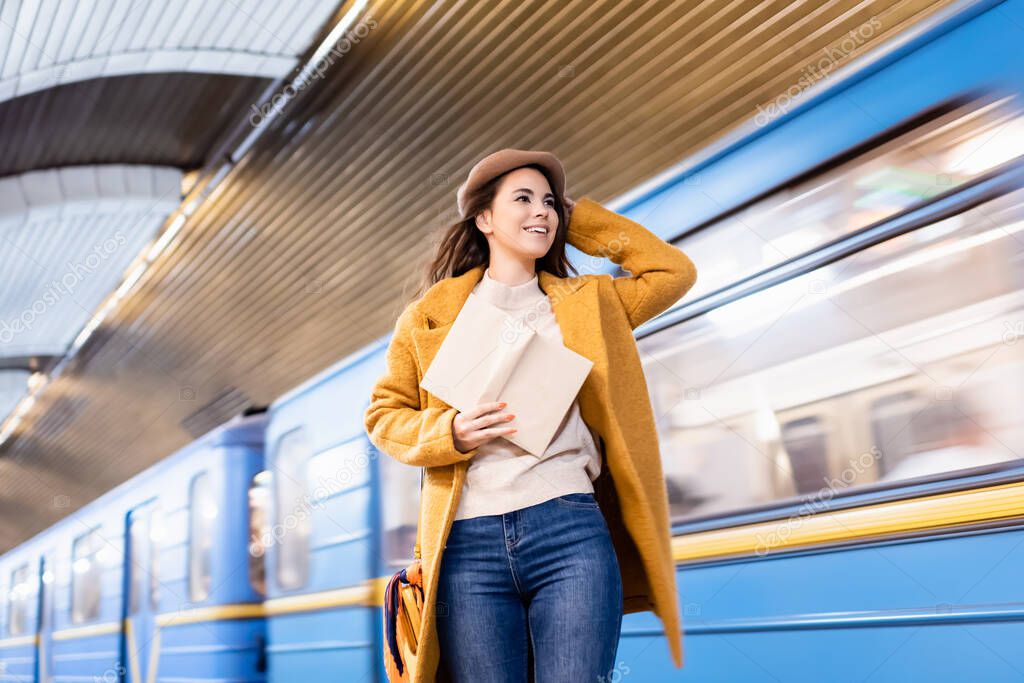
523,202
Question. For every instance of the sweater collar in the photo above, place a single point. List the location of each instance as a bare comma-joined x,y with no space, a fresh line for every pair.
508,296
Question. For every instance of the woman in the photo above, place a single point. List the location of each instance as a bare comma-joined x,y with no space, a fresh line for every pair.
529,563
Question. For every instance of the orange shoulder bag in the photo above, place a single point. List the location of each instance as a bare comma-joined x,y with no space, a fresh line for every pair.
403,613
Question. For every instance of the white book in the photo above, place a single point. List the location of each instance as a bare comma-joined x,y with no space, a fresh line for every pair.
488,355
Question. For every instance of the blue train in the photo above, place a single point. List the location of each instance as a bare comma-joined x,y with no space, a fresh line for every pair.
837,400
152,581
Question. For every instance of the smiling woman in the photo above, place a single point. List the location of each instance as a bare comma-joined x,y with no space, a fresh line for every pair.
591,509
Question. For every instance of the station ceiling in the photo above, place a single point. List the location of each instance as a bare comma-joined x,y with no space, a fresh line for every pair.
310,245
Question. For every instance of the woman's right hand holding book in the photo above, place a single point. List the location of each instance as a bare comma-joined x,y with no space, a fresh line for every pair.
473,428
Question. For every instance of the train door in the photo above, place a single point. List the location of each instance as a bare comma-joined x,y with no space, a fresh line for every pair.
141,641
44,649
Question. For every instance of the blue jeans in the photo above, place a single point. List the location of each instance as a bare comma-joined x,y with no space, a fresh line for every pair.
540,583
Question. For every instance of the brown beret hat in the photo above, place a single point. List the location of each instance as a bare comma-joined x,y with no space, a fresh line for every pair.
505,160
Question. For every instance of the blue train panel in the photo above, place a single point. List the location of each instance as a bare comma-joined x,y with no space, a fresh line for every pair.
322,554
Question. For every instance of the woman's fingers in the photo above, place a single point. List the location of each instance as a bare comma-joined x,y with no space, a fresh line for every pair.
498,419
473,428
569,205
488,414
485,408
484,435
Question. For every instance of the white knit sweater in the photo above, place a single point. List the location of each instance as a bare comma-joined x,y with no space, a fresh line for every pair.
502,476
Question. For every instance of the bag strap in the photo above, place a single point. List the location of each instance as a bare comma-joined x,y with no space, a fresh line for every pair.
416,550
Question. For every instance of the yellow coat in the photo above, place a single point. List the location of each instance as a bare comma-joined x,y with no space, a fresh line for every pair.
596,315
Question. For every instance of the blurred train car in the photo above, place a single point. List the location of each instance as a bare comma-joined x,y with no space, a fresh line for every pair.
151,581
839,396
838,402
321,540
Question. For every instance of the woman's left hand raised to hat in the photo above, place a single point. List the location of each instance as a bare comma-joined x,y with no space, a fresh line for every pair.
569,204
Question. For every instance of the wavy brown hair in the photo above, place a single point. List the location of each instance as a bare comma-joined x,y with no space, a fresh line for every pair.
462,247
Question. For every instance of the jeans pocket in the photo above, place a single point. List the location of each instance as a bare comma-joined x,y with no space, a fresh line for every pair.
579,500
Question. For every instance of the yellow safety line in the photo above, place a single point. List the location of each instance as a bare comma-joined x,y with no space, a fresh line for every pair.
354,596
87,631
879,520
19,641
212,613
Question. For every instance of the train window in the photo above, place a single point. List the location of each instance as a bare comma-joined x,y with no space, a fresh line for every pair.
909,351
292,506
927,436
400,500
932,158
138,529
338,469
157,530
806,443
892,424
47,601
259,529
19,607
146,533
203,514
86,577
